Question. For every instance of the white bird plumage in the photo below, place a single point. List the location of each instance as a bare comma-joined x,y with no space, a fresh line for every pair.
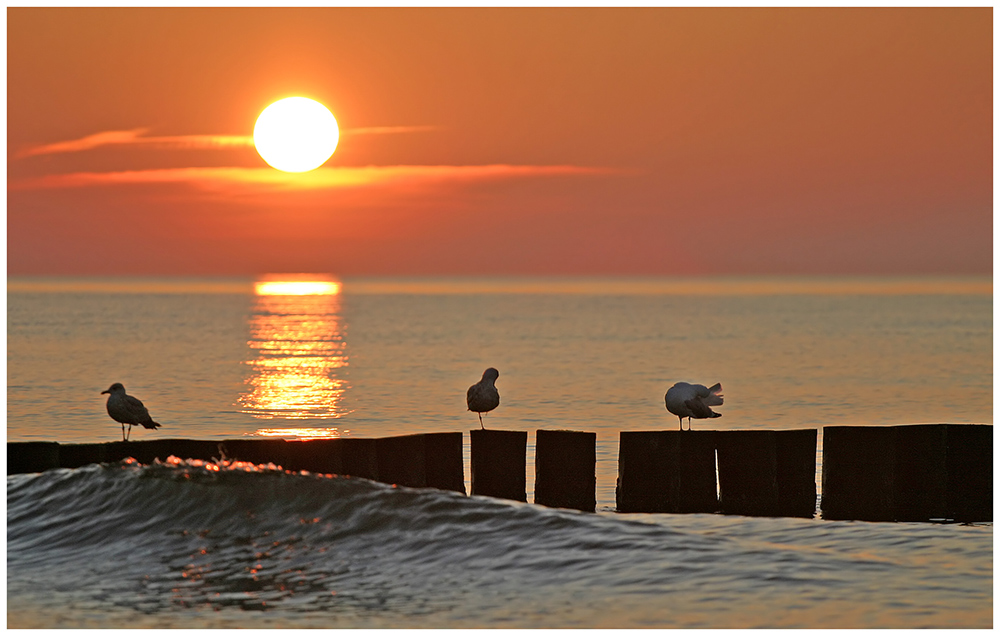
126,409
483,395
693,401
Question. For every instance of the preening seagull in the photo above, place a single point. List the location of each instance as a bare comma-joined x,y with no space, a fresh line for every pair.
126,409
483,395
693,400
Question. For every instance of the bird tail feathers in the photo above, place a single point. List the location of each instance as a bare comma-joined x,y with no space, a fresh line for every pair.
714,395
699,409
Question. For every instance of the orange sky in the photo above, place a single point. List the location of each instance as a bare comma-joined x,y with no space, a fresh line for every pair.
504,141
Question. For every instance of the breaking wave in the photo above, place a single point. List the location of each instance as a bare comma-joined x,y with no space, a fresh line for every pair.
190,543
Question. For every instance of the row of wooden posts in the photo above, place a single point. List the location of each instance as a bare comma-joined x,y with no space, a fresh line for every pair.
891,473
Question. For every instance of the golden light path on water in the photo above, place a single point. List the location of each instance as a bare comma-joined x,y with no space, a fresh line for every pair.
297,350
296,288
302,433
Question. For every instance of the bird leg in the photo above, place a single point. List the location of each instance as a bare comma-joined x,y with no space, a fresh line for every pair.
129,432
123,431
481,420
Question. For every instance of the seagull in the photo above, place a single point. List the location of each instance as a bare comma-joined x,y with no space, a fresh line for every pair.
483,395
126,409
693,400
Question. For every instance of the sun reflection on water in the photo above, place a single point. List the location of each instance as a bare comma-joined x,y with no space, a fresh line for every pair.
298,355
296,288
303,433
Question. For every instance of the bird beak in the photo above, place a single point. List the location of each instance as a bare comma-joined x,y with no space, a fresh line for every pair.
103,392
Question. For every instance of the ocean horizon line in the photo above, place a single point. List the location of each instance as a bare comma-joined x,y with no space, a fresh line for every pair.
690,285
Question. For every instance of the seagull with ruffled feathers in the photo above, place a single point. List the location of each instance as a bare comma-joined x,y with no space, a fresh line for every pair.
693,401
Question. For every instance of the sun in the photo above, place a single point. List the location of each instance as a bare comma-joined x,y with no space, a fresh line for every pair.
296,134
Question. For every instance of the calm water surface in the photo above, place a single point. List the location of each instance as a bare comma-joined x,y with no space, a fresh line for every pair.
212,359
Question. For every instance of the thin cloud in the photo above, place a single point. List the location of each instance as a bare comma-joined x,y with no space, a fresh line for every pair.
137,137
323,178
388,130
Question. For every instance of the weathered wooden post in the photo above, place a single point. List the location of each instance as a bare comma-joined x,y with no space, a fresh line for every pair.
970,472
565,469
859,472
920,475
422,460
666,471
697,485
401,460
31,457
498,463
748,474
918,472
767,472
357,458
321,456
77,455
444,463
647,479
795,455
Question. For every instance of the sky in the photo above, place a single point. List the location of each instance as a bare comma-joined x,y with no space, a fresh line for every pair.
564,141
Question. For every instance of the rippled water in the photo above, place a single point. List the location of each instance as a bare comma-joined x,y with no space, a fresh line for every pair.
249,548
185,545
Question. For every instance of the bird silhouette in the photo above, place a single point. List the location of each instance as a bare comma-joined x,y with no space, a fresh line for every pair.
693,401
126,409
483,395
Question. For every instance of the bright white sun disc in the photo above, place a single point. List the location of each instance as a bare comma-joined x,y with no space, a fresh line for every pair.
296,134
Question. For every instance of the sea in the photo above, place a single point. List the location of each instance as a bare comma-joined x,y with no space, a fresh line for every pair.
192,544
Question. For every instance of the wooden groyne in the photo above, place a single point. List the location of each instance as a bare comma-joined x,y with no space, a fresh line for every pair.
763,473
908,473
426,460
874,473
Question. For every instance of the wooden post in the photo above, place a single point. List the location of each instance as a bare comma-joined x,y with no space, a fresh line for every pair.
498,463
859,472
647,481
77,455
321,456
401,460
696,459
565,469
443,461
423,460
31,457
748,473
666,471
969,491
768,473
920,477
795,455
915,472
357,458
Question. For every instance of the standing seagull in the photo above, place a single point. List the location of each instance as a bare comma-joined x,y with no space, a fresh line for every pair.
483,395
126,409
693,400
